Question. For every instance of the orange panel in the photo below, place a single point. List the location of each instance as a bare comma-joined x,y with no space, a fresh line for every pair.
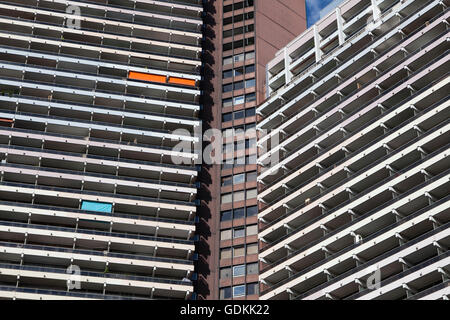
186,82
6,120
147,77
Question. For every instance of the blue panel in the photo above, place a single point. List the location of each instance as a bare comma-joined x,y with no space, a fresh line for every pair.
96,206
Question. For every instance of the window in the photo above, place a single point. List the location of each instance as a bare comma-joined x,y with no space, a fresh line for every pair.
239,291
227,181
238,100
227,117
228,33
252,268
238,71
250,97
252,230
239,213
239,115
252,288
226,215
228,46
227,74
225,293
250,68
96,206
250,83
252,248
250,112
239,178
238,57
227,198
225,273
239,196
252,211
250,55
227,102
227,60
251,159
251,176
238,85
239,270
250,143
225,234
226,253
238,252
251,194
228,87
228,8
238,233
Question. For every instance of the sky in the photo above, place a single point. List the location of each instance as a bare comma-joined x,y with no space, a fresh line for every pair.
313,8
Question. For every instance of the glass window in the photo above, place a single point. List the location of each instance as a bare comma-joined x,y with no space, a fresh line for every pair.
226,215
225,273
252,211
239,213
239,291
249,41
227,102
251,176
238,252
250,112
250,55
227,74
225,293
226,253
251,194
239,270
250,83
252,288
238,5
227,60
250,143
251,159
252,230
239,196
239,115
238,233
225,234
240,145
250,68
227,181
252,268
239,57
252,248
250,97
227,198
238,100
228,8
239,178
227,117
228,20
228,87
227,46
238,71
238,85
228,33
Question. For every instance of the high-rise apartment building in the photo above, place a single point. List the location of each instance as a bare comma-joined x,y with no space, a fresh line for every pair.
95,203
241,37
357,205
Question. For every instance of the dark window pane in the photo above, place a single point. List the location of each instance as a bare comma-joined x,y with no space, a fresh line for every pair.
252,211
227,117
226,215
250,112
239,213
